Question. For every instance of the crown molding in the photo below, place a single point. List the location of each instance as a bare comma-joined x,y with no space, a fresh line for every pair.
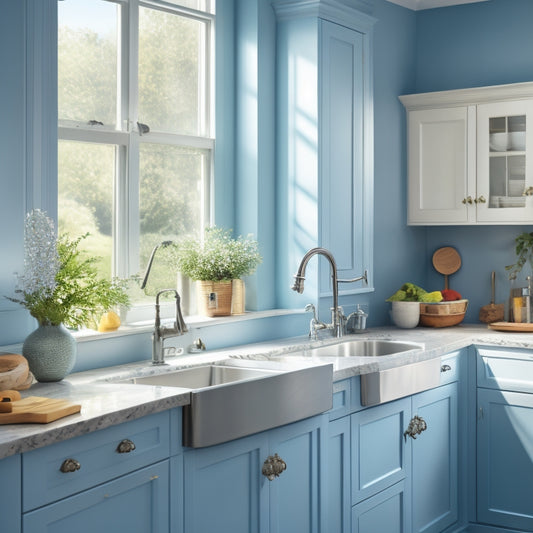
418,5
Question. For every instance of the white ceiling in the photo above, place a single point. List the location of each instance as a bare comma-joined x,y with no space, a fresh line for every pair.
417,5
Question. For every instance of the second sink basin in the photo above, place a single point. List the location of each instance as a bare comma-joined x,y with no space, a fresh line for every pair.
363,348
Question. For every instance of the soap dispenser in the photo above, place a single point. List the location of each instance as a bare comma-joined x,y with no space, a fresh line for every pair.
356,322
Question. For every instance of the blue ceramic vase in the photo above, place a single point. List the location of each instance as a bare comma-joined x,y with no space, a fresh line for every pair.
51,352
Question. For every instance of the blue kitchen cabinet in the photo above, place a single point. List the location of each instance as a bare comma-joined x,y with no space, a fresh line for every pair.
225,491
384,512
505,464
10,494
325,142
505,438
136,503
435,454
115,479
381,479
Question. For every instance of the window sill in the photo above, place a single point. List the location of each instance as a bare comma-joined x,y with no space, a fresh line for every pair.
193,322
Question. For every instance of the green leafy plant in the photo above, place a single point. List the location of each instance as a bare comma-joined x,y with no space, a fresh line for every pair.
524,254
217,257
59,284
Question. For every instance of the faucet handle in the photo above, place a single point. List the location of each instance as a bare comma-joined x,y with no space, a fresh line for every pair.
311,308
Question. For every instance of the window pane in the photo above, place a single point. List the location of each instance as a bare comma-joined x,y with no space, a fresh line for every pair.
201,5
85,200
87,61
171,201
171,72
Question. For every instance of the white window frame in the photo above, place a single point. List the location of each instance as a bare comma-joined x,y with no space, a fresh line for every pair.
128,139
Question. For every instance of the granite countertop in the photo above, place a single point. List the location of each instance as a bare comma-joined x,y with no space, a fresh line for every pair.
105,402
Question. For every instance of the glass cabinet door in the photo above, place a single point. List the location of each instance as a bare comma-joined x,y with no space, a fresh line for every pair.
504,181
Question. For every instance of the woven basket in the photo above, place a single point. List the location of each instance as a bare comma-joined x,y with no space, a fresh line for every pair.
220,298
442,314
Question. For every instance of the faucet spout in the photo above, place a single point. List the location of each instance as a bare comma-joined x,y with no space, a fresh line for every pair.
299,278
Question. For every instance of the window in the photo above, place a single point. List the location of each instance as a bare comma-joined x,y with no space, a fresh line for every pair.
136,142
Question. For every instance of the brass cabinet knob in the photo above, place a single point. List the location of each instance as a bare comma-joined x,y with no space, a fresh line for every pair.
468,200
273,467
70,465
416,426
481,200
126,446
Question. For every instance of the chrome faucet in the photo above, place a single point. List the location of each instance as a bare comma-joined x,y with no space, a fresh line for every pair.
162,332
338,320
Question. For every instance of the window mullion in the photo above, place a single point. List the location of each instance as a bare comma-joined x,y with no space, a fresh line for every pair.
131,218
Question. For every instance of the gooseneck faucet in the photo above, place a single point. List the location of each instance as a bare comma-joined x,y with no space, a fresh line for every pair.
338,320
162,332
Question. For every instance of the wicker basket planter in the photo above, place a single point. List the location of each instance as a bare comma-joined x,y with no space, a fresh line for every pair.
220,298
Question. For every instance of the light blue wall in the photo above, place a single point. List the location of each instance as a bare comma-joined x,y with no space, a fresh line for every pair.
413,52
487,43
398,249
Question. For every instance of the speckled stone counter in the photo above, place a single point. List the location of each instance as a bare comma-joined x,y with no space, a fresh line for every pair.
105,402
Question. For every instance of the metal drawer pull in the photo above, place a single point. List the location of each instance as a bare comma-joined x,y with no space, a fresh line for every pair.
273,467
126,446
445,368
70,465
416,426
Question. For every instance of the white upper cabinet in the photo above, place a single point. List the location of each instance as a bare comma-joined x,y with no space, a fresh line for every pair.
469,156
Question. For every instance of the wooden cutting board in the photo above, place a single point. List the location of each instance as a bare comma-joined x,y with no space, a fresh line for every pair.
35,409
518,327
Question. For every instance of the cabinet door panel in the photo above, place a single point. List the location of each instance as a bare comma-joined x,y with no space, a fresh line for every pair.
379,456
438,166
10,494
136,503
294,496
224,489
345,197
435,456
504,144
338,498
387,512
505,466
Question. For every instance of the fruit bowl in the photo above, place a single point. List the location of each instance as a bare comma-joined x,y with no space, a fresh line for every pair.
443,314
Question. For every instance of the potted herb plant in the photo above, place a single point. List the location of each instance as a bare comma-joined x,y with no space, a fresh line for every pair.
217,263
59,287
524,254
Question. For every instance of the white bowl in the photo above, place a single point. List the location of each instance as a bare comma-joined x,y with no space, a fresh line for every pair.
517,140
405,314
499,142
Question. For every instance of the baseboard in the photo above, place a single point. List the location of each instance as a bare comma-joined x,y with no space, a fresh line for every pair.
479,528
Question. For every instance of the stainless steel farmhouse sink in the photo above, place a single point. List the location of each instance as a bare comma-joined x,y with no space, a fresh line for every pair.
229,402
363,348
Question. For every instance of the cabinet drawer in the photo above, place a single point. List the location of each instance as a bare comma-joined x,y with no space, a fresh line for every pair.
97,456
136,502
510,370
450,368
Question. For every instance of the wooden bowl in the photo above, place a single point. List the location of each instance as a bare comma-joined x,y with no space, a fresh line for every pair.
442,314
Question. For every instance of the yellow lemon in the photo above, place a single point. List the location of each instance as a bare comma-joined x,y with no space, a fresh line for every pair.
110,321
